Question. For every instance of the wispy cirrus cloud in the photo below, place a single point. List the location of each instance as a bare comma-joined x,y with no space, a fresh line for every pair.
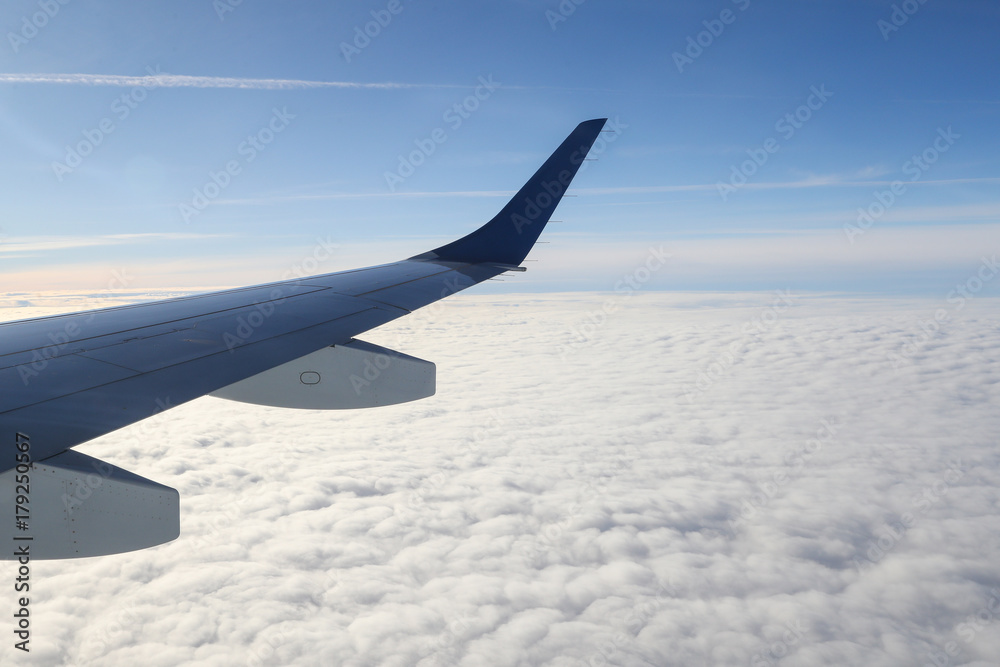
157,79
811,182
32,244
187,81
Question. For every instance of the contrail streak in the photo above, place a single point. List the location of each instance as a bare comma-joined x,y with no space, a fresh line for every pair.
184,81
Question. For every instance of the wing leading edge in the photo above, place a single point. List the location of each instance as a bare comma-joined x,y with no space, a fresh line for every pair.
71,378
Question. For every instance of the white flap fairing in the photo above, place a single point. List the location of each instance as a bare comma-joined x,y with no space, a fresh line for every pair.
340,377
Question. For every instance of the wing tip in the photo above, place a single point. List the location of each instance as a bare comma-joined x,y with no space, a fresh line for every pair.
510,235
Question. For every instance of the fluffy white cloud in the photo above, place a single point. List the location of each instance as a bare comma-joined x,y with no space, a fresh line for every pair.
725,479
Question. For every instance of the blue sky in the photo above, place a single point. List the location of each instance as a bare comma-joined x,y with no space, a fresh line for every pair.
873,84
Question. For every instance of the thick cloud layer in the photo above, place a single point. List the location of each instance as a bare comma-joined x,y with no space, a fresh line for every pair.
715,479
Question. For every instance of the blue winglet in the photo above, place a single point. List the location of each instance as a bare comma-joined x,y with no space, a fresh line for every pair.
509,236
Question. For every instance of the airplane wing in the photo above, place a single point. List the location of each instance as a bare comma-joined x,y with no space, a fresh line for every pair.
67,379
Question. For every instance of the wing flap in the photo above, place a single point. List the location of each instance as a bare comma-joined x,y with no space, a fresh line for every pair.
64,334
41,380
